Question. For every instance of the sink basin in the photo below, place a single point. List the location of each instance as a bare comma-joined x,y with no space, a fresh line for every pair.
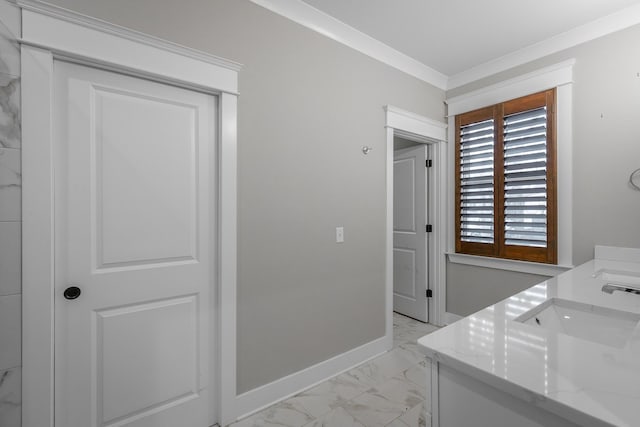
589,322
618,276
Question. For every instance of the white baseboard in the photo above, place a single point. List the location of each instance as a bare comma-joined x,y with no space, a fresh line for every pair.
449,318
259,398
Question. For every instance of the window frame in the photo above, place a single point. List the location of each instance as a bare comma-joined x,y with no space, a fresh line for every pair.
497,112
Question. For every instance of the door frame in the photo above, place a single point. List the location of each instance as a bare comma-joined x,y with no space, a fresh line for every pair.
421,129
51,33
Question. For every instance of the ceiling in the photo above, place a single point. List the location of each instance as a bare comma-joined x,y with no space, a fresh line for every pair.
452,36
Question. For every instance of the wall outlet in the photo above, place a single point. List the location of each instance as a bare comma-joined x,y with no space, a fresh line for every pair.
339,234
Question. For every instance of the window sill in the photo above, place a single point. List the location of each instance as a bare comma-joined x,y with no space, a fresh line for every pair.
508,264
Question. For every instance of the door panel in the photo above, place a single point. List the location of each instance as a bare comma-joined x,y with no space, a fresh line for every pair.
134,231
127,338
145,171
404,195
404,273
409,237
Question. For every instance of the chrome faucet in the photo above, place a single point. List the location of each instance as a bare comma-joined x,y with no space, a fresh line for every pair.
610,287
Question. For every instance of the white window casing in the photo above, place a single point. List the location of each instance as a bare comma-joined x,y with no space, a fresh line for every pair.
559,76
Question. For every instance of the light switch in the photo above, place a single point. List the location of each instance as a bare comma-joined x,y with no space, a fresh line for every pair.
339,234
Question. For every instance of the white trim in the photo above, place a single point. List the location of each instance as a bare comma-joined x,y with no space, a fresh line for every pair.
601,27
78,36
388,252
316,20
545,78
564,184
89,22
407,121
46,36
227,255
509,264
283,388
37,238
560,76
450,318
440,221
426,130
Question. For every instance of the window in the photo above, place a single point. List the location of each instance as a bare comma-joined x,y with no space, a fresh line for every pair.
506,180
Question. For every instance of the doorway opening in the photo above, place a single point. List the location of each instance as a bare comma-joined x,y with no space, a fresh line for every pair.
416,226
411,228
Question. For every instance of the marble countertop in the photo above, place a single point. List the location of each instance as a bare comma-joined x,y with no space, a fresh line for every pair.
580,380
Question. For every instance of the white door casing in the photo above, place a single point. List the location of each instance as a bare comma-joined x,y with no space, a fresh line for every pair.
135,207
50,34
410,250
418,128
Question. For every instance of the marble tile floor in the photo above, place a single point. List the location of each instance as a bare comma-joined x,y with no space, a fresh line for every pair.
389,391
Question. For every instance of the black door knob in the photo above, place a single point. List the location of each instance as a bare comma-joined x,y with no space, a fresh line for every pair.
72,292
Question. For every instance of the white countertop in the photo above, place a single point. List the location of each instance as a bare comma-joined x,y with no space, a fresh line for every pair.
586,382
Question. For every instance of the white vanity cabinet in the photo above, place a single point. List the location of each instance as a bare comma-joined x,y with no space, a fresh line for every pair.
461,400
565,352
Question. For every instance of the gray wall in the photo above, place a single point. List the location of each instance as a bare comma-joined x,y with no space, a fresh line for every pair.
10,218
606,150
307,105
471,288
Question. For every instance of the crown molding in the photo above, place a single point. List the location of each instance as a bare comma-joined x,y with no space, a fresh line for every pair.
67,15
318,21
617,21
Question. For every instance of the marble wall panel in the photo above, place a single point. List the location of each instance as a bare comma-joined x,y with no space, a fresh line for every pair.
10,185
10,120
10,331
10,397
10,258
10,218
9,33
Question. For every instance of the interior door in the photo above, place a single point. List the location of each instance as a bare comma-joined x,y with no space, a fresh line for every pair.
134,248
409,232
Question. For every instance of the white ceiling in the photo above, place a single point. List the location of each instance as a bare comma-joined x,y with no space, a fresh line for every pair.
452,36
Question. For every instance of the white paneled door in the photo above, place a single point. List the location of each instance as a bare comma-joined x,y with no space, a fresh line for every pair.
409,232
134,195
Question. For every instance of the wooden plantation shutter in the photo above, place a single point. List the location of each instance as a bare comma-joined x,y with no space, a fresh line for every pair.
506,180
475,189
